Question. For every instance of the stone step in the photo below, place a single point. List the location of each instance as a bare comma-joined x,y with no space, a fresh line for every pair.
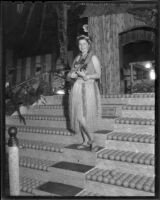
55,134
126,161
58,152
47,134
25,194
88,193
130,128
35,163
113,182
136,98
35,187
134,125
40,145
42,130
126,120
48,107
107,110
70,173
28,185
54,122
100,137
37,122
63,172
132,141
138,111
135,121
54,112
131,100
83,156
42,154
41,117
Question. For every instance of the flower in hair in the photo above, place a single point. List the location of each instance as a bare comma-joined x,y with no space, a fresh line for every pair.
85,27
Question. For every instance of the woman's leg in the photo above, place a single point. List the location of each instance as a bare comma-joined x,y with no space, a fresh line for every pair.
84,137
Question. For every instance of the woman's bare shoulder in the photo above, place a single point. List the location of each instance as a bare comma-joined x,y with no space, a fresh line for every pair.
95,58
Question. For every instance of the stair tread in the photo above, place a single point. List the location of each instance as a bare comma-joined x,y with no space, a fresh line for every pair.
43,130
39,145
35,163
140,95
28,184
75,147
134,121
88,193
130,137
135,95
51,106
82,168
41,117
117,178
138,107
127,156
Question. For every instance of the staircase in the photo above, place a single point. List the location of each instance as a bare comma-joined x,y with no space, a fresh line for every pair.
123,164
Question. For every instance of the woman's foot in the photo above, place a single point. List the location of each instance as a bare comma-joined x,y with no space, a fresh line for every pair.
83,145
93,146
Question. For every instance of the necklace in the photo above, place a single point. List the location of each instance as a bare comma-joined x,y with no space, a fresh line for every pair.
83,58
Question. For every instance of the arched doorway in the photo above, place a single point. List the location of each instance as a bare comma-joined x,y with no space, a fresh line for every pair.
136,45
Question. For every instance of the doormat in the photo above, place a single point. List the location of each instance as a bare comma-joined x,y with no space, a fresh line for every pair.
59,189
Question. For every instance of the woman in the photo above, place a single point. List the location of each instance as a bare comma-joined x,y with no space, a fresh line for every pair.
85,102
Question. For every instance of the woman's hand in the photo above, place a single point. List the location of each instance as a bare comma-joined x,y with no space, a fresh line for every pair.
73,75
83,75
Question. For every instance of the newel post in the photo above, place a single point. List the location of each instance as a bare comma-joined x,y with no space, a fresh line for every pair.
13,161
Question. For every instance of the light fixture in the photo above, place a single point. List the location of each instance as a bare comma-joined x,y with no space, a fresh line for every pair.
148,65
60,92
152,75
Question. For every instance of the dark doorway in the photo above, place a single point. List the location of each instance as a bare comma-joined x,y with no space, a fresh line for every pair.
138,51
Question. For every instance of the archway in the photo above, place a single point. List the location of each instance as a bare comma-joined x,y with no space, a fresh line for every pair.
135,45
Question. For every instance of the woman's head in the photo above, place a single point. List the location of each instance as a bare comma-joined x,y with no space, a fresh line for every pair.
84,43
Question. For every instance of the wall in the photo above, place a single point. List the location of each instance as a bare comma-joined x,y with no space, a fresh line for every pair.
8,58
104,31
25,67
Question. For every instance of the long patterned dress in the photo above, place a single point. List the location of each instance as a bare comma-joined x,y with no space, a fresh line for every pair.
85,103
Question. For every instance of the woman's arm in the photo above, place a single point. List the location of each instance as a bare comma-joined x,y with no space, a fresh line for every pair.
97,67
72,73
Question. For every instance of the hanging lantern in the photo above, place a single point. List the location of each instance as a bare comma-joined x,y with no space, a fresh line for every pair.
20,7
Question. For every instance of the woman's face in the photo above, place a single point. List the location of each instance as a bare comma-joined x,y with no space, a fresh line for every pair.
83,46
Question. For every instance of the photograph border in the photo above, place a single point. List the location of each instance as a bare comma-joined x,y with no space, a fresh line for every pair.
157,109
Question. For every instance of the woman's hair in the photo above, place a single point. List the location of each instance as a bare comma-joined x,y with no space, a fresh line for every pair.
84,37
